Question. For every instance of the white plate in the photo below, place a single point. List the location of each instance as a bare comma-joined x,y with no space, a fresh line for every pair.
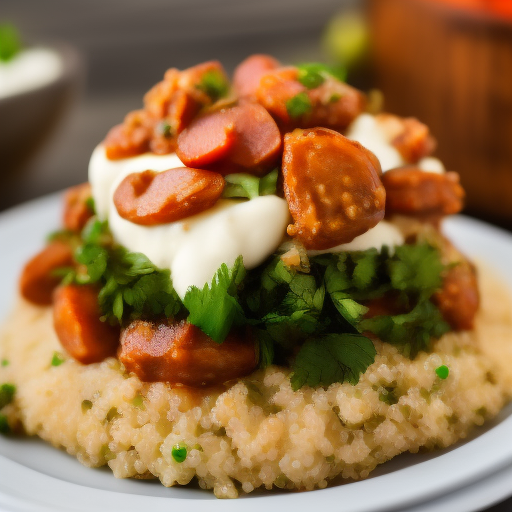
35,477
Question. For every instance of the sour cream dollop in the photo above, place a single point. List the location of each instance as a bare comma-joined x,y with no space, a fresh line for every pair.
195,247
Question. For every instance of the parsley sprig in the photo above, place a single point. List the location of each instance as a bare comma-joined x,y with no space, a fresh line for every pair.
314,74
249,186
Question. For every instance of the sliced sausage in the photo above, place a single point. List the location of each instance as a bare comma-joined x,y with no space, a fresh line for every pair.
37,282
459,299
150,197
332,186
248,73
77,210
243,138
130,138
181,353
411,191
76,318
409,136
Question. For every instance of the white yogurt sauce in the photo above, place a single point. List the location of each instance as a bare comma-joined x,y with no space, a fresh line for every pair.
195,247
29,70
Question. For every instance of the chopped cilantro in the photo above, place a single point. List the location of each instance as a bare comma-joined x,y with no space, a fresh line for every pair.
6,394
214,84
5,362
247,185
57,359
299,105
265,349
443,371
89,202
86,405
10,44
313,74
215,307
4,425
179,452
332,358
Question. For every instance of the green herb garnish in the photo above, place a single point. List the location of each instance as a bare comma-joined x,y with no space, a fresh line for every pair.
4,425
6,394
179,452
214,84
57,359
138,401
249,186
10,43
314,74
165,129
86,405
215,307
5,362
299,105
443,371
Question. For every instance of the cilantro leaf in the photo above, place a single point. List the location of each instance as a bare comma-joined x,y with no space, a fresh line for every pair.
215,308
299,105
265,349
314,74
247,185
332,358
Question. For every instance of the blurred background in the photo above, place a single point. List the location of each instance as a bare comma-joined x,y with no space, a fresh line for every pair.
447,62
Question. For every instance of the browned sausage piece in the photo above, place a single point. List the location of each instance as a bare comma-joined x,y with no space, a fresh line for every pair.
149,198
332,186
130,138
411,137
411,191
37,282
76,207
248,73
459,298
181,353
243,138
76,318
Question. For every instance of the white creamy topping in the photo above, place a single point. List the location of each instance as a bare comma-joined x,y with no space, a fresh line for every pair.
368,132
384,233
195,247
431,164
29,70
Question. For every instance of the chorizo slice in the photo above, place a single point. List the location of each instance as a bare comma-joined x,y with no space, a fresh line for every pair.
76,318
240,138
411,191
77,209
248,73
149,198
180,353
459,298
409,136
130,138
37,282
332,186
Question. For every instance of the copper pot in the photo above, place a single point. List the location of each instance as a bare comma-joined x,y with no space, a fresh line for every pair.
452,69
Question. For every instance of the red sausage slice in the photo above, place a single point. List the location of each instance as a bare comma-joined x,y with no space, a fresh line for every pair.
236,139
76,318
181,353
248,73
332,186
150,198
76,208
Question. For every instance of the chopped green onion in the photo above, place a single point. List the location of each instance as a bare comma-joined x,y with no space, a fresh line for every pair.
442,372
112,414
6,394
299,105
89,202
179,452
165,129
214,84
138,401
57,359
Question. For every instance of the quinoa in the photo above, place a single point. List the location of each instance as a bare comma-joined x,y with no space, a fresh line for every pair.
258,432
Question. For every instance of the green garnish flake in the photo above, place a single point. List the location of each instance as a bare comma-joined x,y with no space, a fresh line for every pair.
4,425
137,401
7,392
89,202
10,44
107,453
215,308
214,84
114,413
443,371
332,358
334,98
179,452
249,186
299,105
57,359
5,362
165,129
86,405
314,74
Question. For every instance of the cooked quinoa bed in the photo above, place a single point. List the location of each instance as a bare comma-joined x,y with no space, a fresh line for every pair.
258,432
